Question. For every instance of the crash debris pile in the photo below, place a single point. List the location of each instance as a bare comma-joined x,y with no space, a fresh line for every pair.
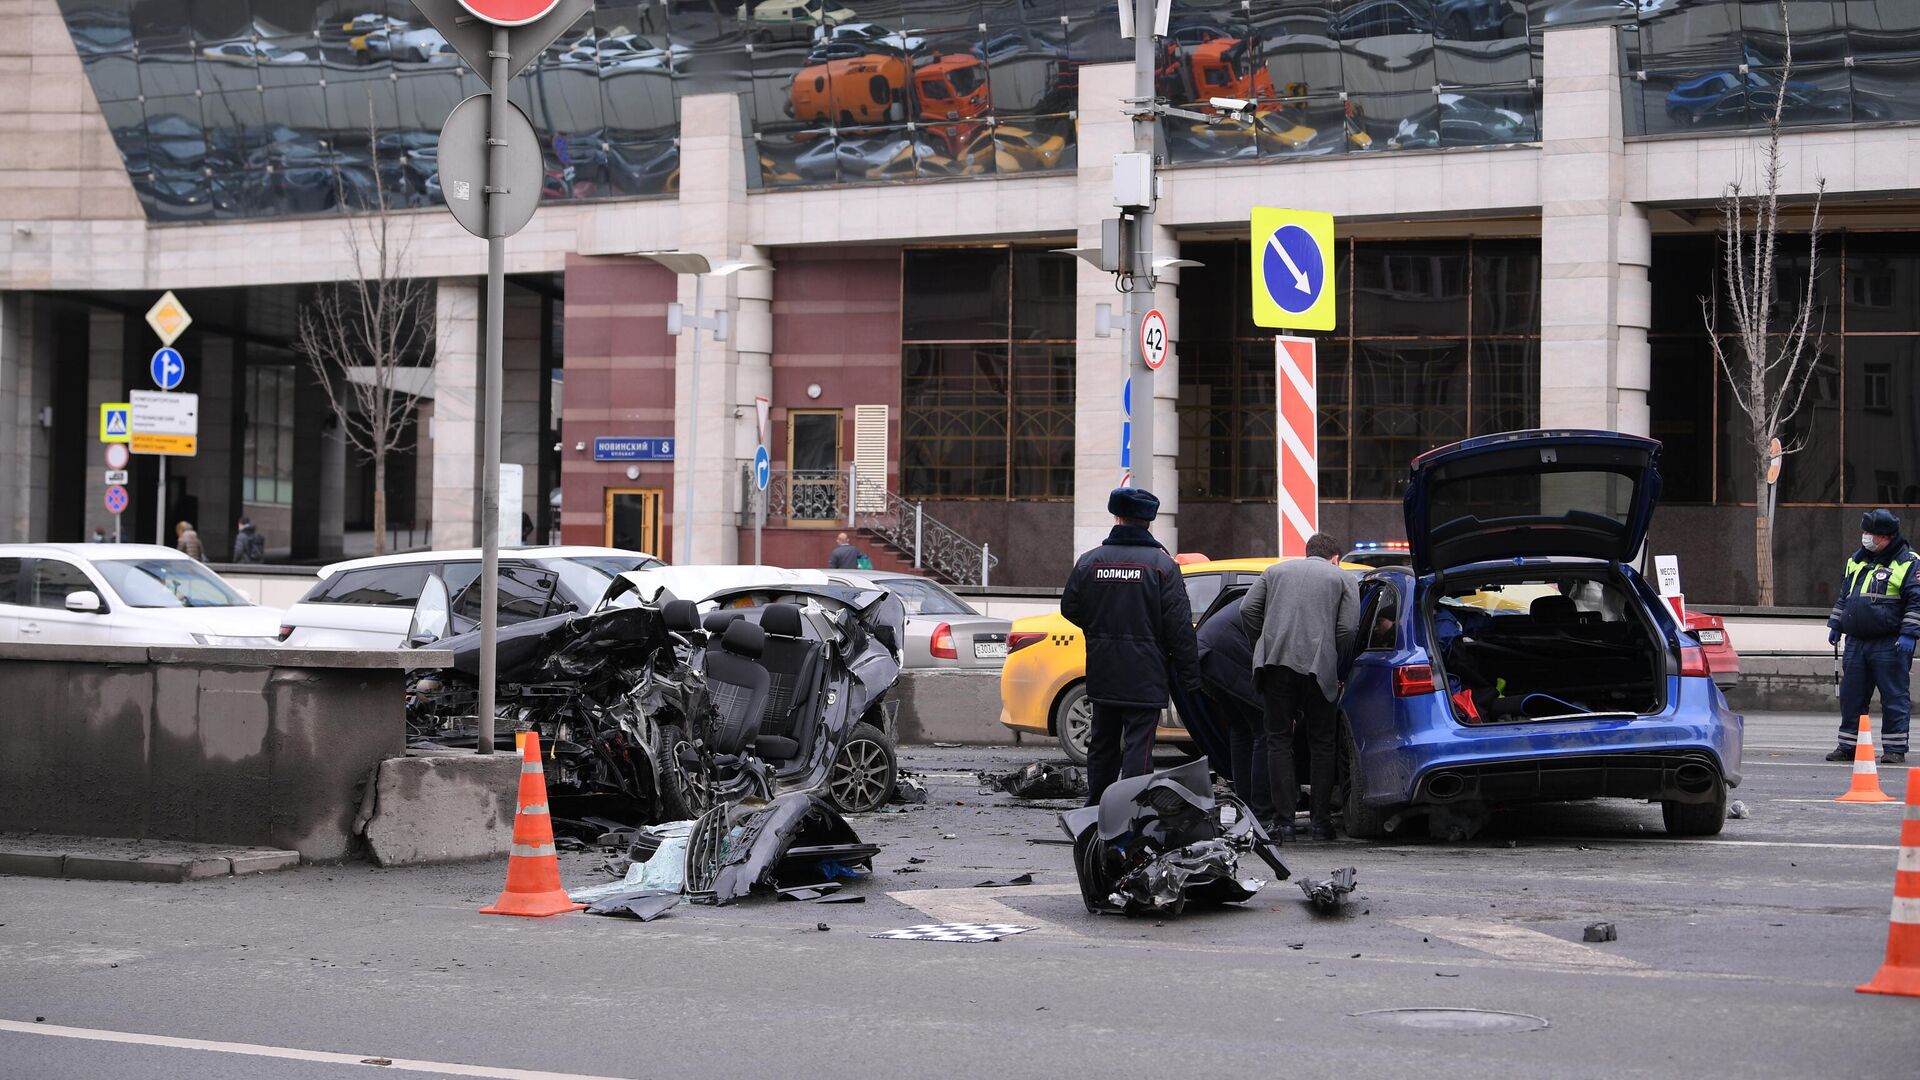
1327,895
1039,780
1159,842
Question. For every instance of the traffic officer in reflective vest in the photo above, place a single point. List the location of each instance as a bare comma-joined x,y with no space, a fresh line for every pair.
1127,596
1879,612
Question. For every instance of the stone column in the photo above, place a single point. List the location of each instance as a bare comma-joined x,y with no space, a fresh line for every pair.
713,222
520,421
209,472
1101,363
26,386
1594,306
455,431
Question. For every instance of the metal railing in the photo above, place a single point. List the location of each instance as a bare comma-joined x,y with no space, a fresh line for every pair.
799,497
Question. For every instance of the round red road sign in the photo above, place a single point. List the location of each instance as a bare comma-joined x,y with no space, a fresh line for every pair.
1153,339
508,12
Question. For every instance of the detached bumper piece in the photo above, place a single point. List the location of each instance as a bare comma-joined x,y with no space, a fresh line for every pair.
793,841
1159,842
1039,781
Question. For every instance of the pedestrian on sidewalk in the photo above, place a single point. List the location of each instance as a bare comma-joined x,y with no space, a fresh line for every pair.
1301,615
188,541
248,545
1226,665
1127,596
845,556
1879,614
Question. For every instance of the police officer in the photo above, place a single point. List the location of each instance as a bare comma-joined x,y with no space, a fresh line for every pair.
1126,595
1879,612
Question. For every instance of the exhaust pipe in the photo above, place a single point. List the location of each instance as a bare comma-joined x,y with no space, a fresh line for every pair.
1446,786
1693,778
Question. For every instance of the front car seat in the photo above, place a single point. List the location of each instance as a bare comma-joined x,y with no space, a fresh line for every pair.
737,686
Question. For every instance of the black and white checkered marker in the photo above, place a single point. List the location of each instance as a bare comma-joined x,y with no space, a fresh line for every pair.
959,931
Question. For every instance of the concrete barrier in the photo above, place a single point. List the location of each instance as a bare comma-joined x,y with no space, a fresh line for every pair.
443,807
257,748
950,706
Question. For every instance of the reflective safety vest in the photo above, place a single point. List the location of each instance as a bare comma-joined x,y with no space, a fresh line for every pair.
1885,580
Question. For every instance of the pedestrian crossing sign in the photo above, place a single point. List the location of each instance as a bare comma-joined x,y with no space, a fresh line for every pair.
114,425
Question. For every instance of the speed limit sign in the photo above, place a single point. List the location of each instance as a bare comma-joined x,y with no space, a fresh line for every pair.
1153,339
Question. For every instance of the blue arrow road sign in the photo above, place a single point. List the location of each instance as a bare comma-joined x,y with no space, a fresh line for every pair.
168,368
762,468
1291,266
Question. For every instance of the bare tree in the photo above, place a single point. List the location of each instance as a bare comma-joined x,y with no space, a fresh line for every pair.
1768,373
359,336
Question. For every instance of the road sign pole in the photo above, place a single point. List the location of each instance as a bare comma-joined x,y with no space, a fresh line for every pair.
490,433
685,554
160,506
1139,254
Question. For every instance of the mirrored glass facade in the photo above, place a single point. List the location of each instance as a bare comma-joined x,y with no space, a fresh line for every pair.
251,108
1701,65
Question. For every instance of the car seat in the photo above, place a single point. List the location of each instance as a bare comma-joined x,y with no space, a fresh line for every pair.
793,666
737,685
681,617
1553,609
716,622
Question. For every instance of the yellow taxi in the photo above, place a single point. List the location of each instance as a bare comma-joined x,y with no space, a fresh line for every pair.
1043,686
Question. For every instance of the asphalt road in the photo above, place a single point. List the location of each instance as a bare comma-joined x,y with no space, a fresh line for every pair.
1736,957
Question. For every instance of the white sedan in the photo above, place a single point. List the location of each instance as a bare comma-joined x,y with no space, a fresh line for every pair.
123,594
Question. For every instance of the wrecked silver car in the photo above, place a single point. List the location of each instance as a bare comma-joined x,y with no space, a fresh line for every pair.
657,712
1159,842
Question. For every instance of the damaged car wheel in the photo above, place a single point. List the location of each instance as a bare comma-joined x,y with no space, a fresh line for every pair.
1073,723
863,773
1362,823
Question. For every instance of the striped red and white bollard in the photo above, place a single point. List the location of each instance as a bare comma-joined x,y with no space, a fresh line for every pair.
1298,489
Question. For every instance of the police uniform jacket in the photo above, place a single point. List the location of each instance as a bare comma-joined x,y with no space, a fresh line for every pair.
1127,596
1880,594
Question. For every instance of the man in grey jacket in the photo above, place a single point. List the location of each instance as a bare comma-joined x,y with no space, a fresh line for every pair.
1301,616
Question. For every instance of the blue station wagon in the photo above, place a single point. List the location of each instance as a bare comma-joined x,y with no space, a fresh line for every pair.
1521,657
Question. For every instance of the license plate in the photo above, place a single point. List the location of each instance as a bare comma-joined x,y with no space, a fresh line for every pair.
989,650
1710,637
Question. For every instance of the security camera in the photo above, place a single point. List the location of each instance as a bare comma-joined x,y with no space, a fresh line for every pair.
1237,107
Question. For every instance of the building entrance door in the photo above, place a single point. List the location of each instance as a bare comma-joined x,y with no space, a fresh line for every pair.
633,519
815,480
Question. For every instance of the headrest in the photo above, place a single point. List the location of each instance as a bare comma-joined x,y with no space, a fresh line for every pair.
1553,608
680,615
716,621
744,639
781,620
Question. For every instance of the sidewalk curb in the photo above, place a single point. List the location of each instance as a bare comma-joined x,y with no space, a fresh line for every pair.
113,859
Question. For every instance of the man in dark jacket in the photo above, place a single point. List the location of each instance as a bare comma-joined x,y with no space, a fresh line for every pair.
844,555
1127,596
1226,664
248,545
1879,612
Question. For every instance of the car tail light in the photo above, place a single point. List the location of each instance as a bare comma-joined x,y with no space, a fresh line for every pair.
943,643
1413,680
1022,639
285,632
1693,663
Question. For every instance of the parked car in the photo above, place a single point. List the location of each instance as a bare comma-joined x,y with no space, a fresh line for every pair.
943,631
367,603
123,594
1043,685
1459,699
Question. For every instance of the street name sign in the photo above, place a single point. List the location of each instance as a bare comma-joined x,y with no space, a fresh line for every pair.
626,449
165,423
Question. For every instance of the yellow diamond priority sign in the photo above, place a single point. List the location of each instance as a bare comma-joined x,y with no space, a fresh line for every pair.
169,318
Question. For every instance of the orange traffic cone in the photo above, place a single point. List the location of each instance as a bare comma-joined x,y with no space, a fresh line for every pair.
1866,773
533,871
1901,973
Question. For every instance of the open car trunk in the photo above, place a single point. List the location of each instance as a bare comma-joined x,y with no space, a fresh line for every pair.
1547,645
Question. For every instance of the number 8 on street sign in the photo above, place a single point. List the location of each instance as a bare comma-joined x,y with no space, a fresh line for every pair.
1153,339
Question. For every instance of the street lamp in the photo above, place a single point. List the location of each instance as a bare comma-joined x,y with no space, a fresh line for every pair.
697,265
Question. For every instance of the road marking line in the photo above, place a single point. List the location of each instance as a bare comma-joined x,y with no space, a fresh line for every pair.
287,1053
1509,942
1691,841
980,905
1830,802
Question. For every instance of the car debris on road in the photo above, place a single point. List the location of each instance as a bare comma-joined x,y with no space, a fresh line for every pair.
1158,842
1039,780
1327,895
